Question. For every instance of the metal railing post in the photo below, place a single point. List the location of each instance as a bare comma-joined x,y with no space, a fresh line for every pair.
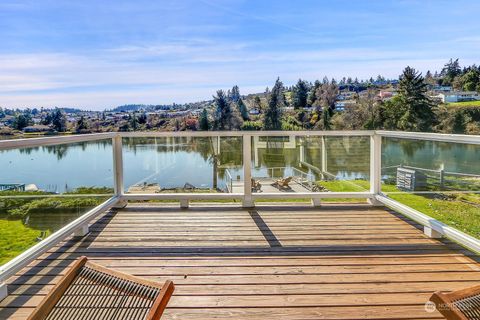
247,172
375,168
118,170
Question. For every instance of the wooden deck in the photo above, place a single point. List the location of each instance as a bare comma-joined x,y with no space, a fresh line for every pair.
336,262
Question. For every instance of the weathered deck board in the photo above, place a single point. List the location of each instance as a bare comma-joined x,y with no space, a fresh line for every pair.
337,262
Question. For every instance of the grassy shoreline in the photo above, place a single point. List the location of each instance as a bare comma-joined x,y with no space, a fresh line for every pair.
461,211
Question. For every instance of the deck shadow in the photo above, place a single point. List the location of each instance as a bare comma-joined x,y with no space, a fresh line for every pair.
264,229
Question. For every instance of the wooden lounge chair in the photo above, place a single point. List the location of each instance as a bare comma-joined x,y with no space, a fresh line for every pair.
283,183
256,186
458,305
90,291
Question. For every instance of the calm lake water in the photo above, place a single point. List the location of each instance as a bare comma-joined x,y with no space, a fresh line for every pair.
172,162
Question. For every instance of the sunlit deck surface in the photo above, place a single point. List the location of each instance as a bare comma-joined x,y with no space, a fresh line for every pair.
291,262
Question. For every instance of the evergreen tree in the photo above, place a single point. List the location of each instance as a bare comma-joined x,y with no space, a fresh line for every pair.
133,122
300,94
226,117
22,120
2,114
414,106
258,103
59,120
234,94
276,101
471,79
242,109
236,99
47,119
326,118
429,79
450,70
312,96
81,124
142,119
204,125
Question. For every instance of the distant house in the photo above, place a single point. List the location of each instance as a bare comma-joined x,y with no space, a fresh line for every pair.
254,111
459,96
340,106
386,95
37,128
439,89
7,120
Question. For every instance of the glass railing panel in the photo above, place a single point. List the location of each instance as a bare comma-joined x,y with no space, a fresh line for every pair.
44,188
182,164
440,179
287,164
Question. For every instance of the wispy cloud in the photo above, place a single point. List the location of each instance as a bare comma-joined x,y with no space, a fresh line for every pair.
99,54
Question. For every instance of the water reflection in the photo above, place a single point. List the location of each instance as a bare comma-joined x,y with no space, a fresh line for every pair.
208,162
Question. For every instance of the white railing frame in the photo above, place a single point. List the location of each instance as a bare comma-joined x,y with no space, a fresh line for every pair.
120,198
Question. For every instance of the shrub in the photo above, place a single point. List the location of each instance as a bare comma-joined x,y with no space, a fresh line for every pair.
252,126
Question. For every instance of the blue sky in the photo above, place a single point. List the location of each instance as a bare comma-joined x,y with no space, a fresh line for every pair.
98,54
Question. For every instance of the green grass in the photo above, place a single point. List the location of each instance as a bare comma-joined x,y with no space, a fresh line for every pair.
464,104
15,238
345,186
449,210
15,205
461,211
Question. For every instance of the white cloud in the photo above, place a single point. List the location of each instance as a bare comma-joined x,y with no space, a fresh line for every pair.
185,71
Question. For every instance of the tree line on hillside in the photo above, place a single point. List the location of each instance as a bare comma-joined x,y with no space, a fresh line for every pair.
314,106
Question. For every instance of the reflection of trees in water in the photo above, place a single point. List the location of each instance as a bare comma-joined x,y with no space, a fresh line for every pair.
277,155
456,157
350,155
410,147
26,151
61,150
229,155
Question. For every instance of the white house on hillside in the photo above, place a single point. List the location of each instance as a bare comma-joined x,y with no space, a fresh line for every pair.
459,96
